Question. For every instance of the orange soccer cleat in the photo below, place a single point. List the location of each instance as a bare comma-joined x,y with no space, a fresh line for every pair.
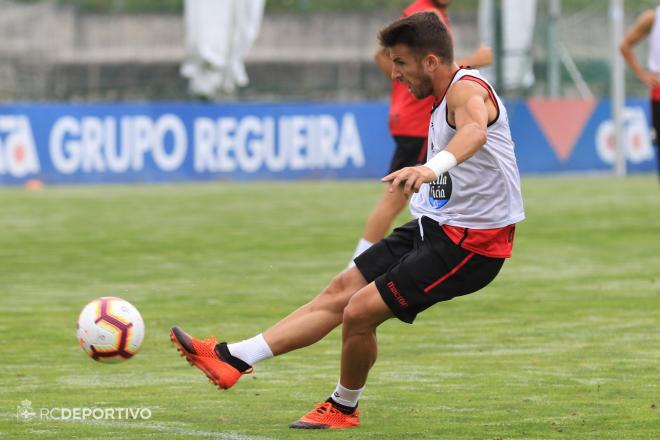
326,416
214,359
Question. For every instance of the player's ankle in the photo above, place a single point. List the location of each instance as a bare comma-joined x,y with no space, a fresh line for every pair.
224,355
343,408
251,350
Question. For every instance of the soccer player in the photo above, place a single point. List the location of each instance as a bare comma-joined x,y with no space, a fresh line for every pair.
409,126
466,203
647,25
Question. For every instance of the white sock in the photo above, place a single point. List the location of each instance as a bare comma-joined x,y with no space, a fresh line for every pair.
251,350
346,397
362,246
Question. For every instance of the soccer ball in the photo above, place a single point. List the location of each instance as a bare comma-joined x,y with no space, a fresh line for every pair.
110,329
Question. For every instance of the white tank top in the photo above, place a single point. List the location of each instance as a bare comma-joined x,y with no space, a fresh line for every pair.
654,44
483,192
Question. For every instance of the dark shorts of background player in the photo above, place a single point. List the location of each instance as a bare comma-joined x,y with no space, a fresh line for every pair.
409,151
655,116
412,274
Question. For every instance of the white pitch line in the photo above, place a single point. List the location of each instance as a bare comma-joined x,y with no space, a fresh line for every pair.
171,429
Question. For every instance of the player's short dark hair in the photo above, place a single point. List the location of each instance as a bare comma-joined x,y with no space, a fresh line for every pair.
423,33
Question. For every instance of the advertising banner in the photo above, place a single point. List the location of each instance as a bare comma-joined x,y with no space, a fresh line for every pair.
99,143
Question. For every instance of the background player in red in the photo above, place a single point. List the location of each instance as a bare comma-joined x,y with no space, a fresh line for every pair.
409,126
647,25
467,201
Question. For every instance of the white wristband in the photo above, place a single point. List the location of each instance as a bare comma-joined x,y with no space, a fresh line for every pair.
441,163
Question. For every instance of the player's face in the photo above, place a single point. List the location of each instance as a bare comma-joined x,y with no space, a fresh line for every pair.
407,69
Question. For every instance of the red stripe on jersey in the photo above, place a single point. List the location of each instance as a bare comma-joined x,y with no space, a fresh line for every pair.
495,243
431,286
483,84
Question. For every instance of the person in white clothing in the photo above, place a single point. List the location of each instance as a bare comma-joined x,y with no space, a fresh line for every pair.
466,208
647,25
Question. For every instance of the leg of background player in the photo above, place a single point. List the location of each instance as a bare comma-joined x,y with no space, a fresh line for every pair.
380,220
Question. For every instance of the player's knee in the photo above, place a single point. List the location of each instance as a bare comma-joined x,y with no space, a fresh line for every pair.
395,202
337,286
334,296
356,316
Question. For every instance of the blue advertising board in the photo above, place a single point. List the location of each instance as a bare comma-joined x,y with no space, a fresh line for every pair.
155,142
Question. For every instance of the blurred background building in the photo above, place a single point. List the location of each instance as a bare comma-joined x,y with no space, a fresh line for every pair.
110,50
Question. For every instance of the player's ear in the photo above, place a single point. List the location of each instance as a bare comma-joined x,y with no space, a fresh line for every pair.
431,62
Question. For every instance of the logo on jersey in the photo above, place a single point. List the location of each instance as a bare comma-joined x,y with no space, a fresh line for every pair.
440,191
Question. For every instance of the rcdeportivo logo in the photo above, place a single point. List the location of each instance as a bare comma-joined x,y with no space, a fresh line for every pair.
25,412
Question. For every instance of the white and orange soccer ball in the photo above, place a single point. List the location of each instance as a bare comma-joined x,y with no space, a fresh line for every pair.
110,329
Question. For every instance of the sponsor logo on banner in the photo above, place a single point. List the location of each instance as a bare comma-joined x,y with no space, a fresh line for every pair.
289,142
18,153
636,137
93,144
117,145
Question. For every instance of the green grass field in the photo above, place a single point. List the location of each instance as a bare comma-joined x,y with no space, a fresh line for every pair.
564,344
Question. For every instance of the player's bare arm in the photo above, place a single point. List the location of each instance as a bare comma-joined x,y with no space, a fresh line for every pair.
383,61
635,34
482,56
469,110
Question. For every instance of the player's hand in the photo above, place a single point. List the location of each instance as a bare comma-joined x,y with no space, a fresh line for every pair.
483,56
650,79
409,178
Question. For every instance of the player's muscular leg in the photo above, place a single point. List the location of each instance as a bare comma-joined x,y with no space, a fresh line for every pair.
317,318
382,216
364,313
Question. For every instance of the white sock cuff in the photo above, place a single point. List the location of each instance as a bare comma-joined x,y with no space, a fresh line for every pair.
362,246
345,396
251,350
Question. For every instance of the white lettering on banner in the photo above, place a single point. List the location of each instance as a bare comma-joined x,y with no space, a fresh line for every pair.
18,153
226,127
298,140
636,137
304,142
92,132
117,157
249,133
327,137
94,144
350,145
170,124
66,162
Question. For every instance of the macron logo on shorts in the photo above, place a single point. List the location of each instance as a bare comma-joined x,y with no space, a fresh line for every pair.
395,293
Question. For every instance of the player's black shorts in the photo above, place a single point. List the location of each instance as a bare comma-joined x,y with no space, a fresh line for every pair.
410,151
655,118
412,273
